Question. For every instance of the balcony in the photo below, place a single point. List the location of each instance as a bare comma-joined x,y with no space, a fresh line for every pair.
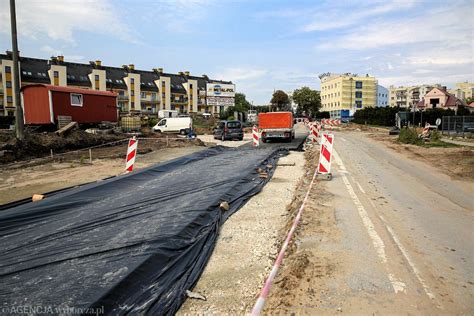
152,101
122,97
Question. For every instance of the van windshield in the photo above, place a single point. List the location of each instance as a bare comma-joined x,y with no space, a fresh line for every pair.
162,122
233,125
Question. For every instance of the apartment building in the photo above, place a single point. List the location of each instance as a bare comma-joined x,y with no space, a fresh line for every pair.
409,96
343,94
463,90
139,91
382,96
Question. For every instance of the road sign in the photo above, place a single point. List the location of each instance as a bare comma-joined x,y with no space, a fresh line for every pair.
438,122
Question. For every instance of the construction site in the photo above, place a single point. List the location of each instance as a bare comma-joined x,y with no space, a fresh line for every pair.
202,226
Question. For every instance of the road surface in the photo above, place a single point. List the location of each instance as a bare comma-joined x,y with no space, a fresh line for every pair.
403,235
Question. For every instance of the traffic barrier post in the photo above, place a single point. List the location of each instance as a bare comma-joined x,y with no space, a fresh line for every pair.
131,154
255,136
325,156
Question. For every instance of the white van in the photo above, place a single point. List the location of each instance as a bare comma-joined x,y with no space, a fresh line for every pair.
180,125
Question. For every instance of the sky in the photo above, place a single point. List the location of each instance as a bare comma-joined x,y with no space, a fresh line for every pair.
260,45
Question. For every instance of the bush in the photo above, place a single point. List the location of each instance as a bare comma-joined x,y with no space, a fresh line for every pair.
435,135
231,118
322,115
152,121
409,136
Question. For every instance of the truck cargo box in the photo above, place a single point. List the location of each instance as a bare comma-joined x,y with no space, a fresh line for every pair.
273,120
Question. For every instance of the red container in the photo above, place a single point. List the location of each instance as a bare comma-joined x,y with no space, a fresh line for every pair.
44,103
272,120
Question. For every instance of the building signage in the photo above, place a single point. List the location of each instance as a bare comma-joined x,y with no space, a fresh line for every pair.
220,101
220,90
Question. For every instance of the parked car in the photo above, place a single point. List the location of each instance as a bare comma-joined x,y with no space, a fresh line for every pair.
229,130
180,125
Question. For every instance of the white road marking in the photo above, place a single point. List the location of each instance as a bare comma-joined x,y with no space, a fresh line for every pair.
410,261
343,139
369,225
360,188
396,284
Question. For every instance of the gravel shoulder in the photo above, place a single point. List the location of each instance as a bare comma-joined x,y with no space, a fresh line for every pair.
247,246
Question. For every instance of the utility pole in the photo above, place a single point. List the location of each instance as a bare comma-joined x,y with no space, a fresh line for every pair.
19,124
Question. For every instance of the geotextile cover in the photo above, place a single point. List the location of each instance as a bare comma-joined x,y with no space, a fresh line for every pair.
131,244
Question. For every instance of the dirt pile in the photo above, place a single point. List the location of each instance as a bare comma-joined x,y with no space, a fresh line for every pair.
39,145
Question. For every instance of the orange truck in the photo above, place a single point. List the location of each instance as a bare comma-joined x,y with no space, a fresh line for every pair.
276,126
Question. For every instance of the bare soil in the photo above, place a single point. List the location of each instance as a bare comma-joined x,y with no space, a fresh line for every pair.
456,162
22,182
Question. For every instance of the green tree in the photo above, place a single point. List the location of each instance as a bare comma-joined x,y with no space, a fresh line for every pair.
241,103
280,101
308,101
469,100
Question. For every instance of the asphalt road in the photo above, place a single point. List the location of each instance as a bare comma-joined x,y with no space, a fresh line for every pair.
406,233
300,134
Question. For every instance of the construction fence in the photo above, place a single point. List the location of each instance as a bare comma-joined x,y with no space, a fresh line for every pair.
458,125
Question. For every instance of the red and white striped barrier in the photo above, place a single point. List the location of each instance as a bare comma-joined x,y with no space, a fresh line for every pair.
330,122
258,307
255,136
325,154
426,131
314,133
131,154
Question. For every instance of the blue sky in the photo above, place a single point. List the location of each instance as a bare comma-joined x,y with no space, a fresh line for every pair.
260,45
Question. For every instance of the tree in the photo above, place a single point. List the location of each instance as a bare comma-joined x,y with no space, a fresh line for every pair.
469,100
280,101
241,103
308,101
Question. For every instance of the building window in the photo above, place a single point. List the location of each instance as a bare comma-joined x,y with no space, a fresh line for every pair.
11,113
133,105
76,99
358,104
358,94
143,95
9,84
358,84
9,99
190,86
132,80
96,77
56,74
121,93
132,92
8,69
153,96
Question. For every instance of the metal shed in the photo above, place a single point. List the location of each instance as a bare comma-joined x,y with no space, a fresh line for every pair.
44,103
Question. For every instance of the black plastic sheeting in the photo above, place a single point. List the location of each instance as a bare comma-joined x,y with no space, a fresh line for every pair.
133,244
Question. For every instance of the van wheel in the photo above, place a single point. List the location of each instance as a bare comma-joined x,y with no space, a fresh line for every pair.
158,131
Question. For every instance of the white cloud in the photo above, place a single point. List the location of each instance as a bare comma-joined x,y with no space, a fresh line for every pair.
59,20
241,74
176,15
335,19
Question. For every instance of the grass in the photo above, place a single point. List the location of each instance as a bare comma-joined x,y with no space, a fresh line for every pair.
439,144
410,136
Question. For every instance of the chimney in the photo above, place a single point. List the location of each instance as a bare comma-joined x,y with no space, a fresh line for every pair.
131,66
205,76
9,53
186,73
160,70
180,73
98,63
444,88
60,58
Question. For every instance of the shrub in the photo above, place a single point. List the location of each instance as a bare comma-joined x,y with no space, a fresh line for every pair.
409,136
435,136
152,121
